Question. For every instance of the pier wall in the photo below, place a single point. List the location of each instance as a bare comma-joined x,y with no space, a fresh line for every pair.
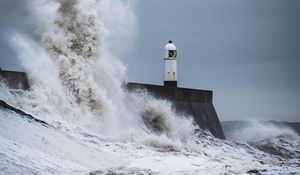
14,79
193,102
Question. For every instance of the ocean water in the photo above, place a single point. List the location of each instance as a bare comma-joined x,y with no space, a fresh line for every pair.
73,57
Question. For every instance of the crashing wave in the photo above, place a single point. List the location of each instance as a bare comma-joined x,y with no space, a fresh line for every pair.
76,76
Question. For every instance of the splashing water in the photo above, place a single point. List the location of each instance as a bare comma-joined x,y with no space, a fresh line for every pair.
75,73
77,86
256,131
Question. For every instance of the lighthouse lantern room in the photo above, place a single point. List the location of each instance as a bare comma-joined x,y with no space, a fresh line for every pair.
170,65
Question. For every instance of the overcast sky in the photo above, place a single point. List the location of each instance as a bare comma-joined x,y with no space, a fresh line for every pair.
247,52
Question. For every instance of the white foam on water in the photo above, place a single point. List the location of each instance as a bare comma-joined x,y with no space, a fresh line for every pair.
73,60
259,131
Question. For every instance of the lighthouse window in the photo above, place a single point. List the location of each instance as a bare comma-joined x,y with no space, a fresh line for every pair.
172,53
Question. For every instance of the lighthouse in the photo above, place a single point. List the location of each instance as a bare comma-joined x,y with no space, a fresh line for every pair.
170,65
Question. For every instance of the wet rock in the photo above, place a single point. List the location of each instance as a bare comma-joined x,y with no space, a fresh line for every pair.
254,171
5,106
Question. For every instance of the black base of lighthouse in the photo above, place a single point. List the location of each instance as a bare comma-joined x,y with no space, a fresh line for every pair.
170,83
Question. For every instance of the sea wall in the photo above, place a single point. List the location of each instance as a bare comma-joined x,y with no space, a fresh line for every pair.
197,103
14,80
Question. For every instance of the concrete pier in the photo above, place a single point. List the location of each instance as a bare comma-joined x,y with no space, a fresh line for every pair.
14,80
197,103
193,102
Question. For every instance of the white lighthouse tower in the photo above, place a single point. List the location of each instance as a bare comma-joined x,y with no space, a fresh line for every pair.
170,65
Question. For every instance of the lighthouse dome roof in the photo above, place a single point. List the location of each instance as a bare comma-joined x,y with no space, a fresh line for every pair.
170,46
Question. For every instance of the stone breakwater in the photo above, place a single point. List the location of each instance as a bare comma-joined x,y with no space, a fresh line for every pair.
193,102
